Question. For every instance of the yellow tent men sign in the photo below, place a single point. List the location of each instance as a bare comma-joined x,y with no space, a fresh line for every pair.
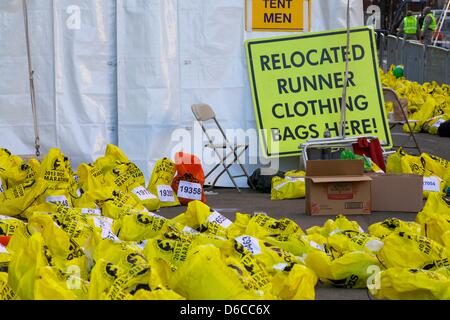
297,83
275,15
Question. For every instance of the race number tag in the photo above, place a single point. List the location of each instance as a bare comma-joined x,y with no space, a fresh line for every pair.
96,212
58,200
1,186
105,224
143,194
221,220
165,193
190,190
250,243
431,184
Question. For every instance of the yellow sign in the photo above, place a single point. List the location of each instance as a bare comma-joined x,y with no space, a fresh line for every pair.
276,15
297,85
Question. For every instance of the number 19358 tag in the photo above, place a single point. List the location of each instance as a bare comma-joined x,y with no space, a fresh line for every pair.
189,190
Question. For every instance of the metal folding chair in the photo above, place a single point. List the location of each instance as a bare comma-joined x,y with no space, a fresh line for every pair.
400,116
203,113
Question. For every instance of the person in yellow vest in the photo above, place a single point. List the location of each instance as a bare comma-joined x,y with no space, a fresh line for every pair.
429,26
408,27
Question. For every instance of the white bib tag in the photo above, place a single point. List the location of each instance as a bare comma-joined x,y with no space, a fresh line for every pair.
143,194
190,190
165,193
431,184
250,243
58,200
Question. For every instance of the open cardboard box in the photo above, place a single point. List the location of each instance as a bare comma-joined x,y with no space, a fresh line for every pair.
337,187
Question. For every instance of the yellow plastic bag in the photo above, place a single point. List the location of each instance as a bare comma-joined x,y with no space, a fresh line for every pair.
412,284
25,264
412,251
297,244
330,227
69,240
292,186
438,166
6,293
297,284
205,276
140,226
391,225
251,274
435,219
52,284
271,257
116,203
120,269
348,241
161,181
261,226
204,219
16,200
351,270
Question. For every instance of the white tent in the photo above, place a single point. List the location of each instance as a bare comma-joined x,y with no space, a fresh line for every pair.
127,72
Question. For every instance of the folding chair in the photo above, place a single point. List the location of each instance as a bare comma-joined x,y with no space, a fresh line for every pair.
203,113
400,116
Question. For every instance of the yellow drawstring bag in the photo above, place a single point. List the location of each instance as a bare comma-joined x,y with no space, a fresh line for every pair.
116,203
204,219
261,226
435,219
140,226
24,267
331,226
407,250
292,186
9,226
251,274
52,284
351,270
391,225
432,125
411,284
438,166
16,200
297,284
205,276
161,181
348,241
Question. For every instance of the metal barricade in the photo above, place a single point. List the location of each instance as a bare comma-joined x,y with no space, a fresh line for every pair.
436,62
413,60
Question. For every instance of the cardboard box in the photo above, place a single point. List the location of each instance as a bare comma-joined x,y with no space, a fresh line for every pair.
337,187
396,192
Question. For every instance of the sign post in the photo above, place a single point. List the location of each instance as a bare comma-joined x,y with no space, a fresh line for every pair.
297,82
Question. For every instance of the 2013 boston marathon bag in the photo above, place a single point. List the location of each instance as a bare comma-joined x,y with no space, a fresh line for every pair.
190,179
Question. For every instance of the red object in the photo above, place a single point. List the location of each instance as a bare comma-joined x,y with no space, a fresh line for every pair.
191,177
4,240
372,150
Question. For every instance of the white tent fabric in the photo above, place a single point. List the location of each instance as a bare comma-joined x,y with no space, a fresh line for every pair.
127,72
75,76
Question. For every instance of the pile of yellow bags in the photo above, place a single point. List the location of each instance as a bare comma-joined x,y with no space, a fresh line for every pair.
435,170
428,104
91,234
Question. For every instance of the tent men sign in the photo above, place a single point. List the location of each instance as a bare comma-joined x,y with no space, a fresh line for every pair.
297,83
275,15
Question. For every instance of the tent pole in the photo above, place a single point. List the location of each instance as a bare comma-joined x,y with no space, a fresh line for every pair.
344,90
31,78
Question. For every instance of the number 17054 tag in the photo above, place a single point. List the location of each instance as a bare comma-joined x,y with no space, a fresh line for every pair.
189,190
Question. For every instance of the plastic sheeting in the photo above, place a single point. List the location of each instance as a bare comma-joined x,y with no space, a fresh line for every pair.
127,72
174,53
74,57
